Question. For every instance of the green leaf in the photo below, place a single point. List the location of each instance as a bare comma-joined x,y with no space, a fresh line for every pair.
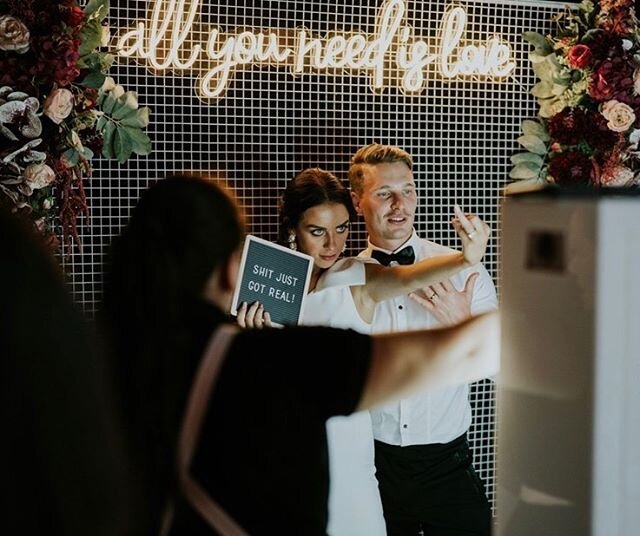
100,124
109,103
140,141
97,61
521,158
526,170
91,35
543,47
71,157
140,119
94,79
526,185
533,144
125,105
543,90
108,134
122,145
87,153
534,128
98,7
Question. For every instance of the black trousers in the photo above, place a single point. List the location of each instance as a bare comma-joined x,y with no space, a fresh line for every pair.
431,490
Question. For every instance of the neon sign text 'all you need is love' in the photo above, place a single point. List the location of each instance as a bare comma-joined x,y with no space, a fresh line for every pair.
173,40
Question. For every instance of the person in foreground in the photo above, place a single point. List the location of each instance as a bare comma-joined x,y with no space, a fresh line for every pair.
261,450
64,467
315,215
423,461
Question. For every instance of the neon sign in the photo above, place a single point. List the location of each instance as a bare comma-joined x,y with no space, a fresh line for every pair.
172,40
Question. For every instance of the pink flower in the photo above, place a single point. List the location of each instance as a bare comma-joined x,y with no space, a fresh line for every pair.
620,116
579,56
617,176
58,105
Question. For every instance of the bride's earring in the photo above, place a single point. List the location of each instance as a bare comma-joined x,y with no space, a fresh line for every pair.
292,241
344,248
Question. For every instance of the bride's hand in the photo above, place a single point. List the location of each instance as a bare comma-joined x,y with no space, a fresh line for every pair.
253,316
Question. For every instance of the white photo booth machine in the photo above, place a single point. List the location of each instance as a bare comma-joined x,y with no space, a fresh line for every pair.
569,387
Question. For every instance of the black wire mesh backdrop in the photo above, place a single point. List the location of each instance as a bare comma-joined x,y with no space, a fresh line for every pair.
270,125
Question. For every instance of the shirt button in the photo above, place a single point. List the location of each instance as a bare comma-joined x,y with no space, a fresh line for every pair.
400,307
405,425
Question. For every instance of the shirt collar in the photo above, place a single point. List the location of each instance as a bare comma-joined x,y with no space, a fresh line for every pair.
412,241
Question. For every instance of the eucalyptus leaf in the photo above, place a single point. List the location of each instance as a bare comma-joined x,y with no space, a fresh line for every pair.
525,170
17,95
122,145
533,144
71,157
4,131
87,153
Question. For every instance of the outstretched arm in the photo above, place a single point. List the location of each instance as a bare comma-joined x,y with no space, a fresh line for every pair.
385,282
430,359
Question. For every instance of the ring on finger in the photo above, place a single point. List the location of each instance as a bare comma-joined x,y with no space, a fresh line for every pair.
470,235
433,297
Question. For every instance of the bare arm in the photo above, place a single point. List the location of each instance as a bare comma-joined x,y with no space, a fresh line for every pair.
422,360
385,282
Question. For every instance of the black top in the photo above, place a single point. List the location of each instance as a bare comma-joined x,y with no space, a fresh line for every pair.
263,452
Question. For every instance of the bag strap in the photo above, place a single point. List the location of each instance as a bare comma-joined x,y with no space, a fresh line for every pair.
196,408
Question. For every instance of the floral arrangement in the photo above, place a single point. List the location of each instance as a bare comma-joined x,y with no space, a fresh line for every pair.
588,126
58,109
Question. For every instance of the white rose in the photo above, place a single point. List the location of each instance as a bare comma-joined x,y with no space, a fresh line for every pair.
619,115
38,176
58,105
14,35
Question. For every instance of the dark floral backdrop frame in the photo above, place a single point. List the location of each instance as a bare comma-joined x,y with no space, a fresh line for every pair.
588,127
58,109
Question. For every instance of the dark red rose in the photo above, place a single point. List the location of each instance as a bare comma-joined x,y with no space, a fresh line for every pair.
613,79
75,15
605,45
599,136
569,127
579,56
571,168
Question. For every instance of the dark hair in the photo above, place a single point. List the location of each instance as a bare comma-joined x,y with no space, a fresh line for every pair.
182,229
62,459
309,188
372,155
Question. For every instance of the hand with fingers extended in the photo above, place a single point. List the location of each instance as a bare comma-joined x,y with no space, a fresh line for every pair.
473,233
444,301
253,316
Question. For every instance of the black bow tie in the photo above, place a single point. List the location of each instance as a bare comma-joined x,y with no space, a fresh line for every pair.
404,256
